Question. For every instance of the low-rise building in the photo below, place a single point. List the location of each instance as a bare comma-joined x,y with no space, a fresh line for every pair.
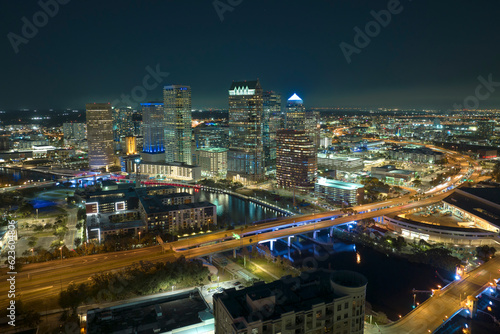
338,191
315,302
345,164
182,313
391,175
416,153
172,171
178,216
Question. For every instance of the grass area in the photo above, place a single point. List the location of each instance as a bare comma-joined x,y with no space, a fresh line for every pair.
277,270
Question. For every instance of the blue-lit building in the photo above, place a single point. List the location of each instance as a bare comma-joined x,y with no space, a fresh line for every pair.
154,138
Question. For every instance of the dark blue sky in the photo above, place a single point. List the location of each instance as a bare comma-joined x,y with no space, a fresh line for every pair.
428,56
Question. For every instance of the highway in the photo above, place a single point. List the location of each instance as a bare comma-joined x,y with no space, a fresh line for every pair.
39,281
430,315
42,280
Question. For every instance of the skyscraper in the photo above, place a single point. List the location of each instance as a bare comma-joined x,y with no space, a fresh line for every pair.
177,103
295,113
296,161
153,149
100,135
271,122
245,155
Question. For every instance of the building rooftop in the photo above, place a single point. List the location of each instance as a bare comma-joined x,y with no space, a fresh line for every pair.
245,84
170,314
154,205
213,149
481,202
286,295
338,184
295,98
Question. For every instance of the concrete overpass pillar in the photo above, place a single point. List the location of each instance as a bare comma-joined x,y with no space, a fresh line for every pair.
315,234
289,241
234,253
331,232
272,245
210,258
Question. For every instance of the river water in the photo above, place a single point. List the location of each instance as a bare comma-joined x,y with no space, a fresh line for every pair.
390,279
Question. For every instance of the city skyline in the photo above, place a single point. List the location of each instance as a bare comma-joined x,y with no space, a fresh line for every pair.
407,64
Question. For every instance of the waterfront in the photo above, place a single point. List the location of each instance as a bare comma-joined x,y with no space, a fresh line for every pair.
235,210
390,279
16,176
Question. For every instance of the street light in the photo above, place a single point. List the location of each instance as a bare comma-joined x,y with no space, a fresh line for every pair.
139,236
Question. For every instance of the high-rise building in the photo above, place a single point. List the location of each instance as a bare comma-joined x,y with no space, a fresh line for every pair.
211,135
271,122
122,123
245,155
130,145
295,113
177,103
100,135
74,131
153,149
315,302
296,161
212,160
312,126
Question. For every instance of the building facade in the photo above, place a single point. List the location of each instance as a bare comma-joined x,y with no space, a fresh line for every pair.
178,216
153,149
245,155
177,103
100,135
271,121
213,161
296,165
316,302
340,192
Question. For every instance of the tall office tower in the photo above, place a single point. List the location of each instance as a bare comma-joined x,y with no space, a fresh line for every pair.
271,122
311,123
100,135
177,100
130,145
296,160
485,129
122,123
245,155
153,149
137,123
210,135
295,113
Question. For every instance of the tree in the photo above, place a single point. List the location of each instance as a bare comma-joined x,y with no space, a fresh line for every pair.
32,241
78,242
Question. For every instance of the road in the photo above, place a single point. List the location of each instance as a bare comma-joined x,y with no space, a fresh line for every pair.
446,302
42,280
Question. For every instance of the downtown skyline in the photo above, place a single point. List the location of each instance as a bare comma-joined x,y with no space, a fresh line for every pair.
422,56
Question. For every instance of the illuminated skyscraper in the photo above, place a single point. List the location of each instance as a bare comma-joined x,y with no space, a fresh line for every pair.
100,135
271,122
245,155
177,103
153,149
296,161
295,113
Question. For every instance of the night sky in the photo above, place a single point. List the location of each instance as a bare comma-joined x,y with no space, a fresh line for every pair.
429,56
